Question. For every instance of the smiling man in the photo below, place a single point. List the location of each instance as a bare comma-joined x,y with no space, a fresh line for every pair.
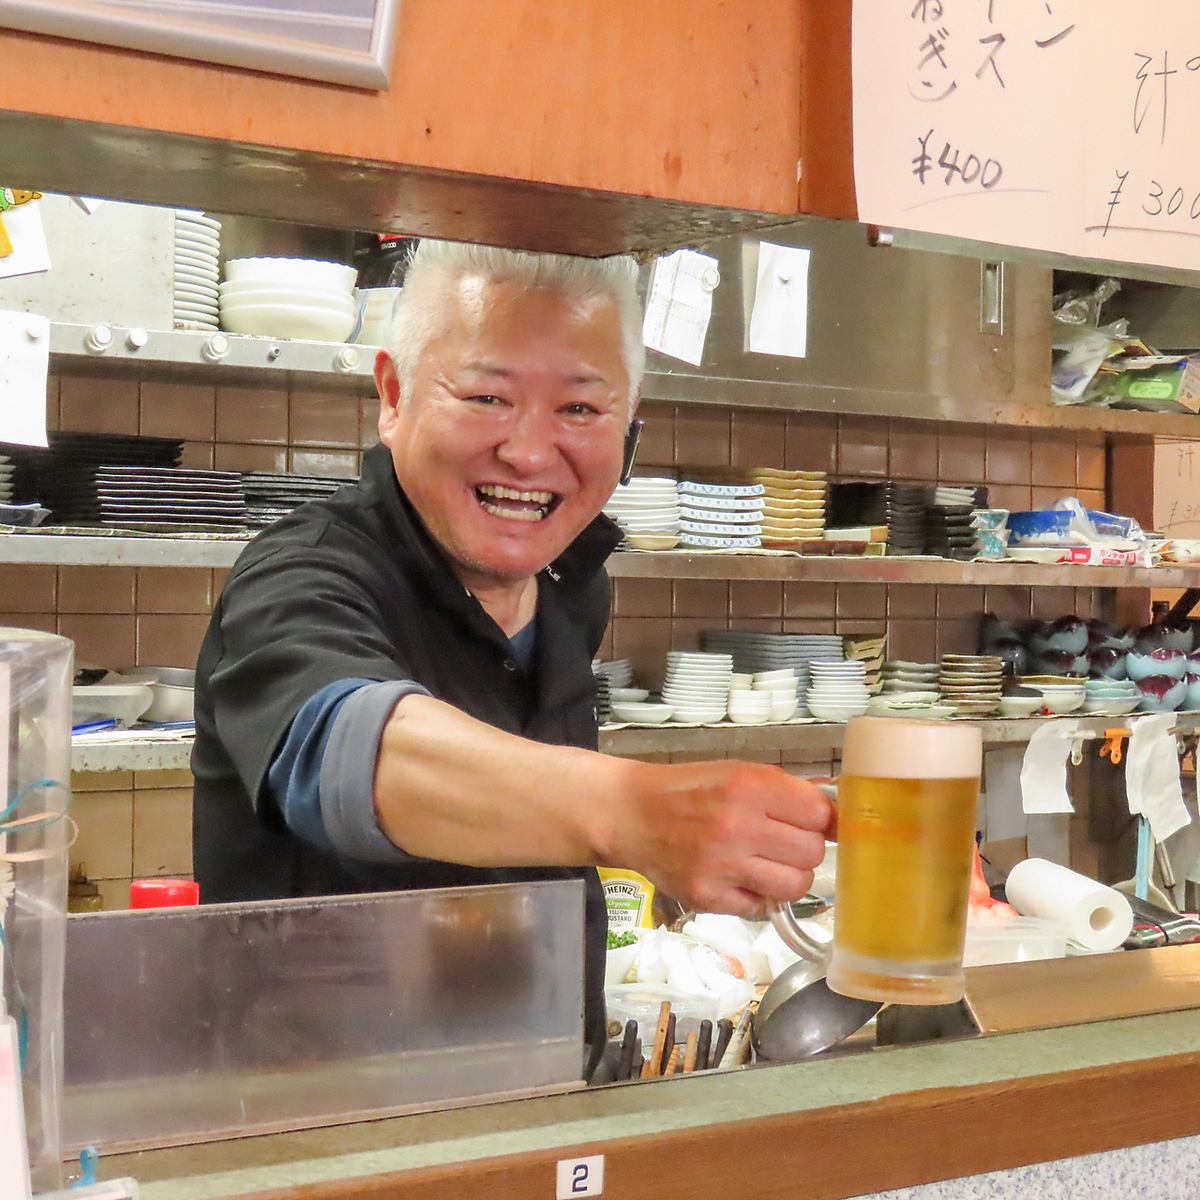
396,691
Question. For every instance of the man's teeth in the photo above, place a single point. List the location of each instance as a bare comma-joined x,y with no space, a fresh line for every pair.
542,500
506,493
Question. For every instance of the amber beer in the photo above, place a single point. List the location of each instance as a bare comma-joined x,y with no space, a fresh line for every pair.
907,801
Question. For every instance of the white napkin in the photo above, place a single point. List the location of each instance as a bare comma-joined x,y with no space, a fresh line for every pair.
1152,783
1044,769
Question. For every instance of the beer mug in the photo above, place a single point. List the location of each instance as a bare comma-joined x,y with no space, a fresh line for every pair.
907,802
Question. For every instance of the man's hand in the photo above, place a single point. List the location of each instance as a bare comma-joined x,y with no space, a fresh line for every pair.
722,836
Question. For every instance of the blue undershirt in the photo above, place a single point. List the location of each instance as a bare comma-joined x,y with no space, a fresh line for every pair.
322,778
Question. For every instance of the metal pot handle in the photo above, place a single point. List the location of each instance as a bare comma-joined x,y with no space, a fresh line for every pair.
789,928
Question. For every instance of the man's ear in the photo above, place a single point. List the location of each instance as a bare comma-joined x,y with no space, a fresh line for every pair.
387,382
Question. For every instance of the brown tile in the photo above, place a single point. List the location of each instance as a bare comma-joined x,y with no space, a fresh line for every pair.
861,627
256,415
911,600
912,451
45,622
220,577
1090,470
104,846
163,779
1090,498
860,600
644,641
162,832
913,641
170,641
368,421
53,383
755,598
101,781
1083,603
1008,603
960,602
324,419
197,455
1053,460
808,625
94,405
1049,603
701,598
1009,457
28,588
862,446
958,636
657,445
961,456
642,598
174,590
757,624
233,456
96,589
757,438
812,440
809,600
701,436
1007,495
178,410
333,464
107,641
114,894
687,633
1048,497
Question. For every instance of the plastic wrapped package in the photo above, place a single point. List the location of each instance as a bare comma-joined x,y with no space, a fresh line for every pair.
35,761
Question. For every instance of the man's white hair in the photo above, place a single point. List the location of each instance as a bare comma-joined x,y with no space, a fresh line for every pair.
418,314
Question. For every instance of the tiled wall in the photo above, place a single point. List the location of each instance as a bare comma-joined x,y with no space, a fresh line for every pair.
139,824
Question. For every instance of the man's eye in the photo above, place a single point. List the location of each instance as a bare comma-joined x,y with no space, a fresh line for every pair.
484,400
579,410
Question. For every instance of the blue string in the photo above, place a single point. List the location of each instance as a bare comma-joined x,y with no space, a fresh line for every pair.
16,803
88,1160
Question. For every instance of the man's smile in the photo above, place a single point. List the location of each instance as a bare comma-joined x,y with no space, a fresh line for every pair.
514,504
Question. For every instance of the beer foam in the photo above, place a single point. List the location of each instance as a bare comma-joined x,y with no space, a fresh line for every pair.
893,748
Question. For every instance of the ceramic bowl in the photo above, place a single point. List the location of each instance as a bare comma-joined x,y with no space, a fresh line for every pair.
1063,702
1161,693
774,678
1110,707
1191,698
1164,661
784,710
652,541
643,714
830,711
1061,662
1107,662
1020,706
619,695
1067,633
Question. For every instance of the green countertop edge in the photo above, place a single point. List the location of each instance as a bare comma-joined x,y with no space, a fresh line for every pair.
217,1170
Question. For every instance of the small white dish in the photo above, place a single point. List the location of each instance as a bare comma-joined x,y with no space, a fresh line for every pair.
652,541
620,695
643,714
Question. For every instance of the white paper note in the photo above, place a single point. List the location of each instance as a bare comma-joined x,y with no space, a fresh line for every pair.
1044,770
1152,782
24,364
30,254
779,322
679,305
89,204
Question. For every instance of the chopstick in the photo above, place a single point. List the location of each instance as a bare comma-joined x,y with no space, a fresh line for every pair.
673,1061
625,1060
724,1033
690,1054
736,1049
668,1043
704,1045
653,1064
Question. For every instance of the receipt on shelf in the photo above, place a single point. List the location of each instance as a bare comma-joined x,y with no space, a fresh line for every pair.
24,366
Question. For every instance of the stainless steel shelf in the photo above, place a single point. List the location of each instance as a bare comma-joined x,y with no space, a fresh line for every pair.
133,755
682,564
77,550
185,355
755,739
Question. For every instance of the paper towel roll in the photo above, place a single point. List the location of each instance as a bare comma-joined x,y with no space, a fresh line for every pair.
1096,917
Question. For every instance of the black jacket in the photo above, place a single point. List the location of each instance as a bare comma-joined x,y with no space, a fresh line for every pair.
353,586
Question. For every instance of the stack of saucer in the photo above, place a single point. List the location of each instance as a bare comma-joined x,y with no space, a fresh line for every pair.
905,678
972,683
618,671
197,255
7,467
697,686
869,651
721,515
603,697
906,518
957,497
900,507
836,690
1110,697
793,505
949,531
647,511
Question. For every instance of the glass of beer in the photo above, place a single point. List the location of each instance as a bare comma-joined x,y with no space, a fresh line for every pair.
907,803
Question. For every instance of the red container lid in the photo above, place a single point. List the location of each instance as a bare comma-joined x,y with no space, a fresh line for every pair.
163,893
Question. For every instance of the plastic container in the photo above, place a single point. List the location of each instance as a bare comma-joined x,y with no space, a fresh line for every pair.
1023,939
642,1002
163,893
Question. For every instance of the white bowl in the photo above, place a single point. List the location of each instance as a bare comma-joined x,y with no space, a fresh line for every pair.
699,716
784,710
1059,702
263,293
292,270
772,677
836,712
742,703
1024,706
643,714
652,541
621,695
740,679
288,321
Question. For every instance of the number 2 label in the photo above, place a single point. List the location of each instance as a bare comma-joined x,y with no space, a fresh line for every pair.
580,1177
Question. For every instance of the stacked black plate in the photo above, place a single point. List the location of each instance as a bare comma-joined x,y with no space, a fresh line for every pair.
63,476
270,496
171,499
899,506
603,697
950,532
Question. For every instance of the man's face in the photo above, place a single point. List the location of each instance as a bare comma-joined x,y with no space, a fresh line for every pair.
512,438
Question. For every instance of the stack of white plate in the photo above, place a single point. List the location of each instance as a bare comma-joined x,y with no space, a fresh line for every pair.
697,685
647,511
793,505
619,671
197,255
289,298
721,515
973,683
869,651
836,691
901,676
952,497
